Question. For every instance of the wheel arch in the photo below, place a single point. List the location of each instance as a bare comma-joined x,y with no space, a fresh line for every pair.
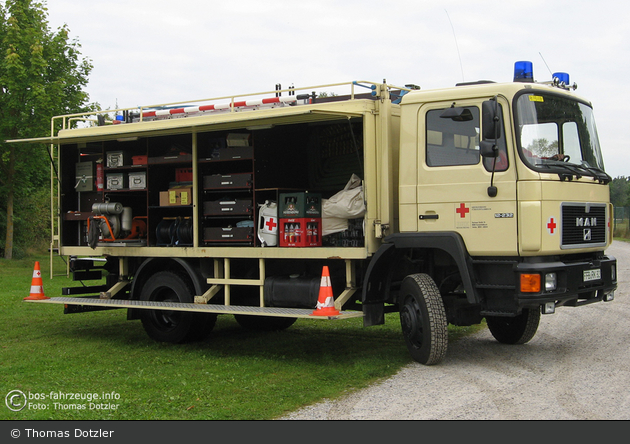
154,265
186,268
383,266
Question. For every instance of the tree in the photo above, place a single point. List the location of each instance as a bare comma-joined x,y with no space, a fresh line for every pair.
42,74
543,147
620,191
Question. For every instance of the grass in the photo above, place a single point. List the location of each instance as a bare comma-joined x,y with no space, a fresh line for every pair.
234,375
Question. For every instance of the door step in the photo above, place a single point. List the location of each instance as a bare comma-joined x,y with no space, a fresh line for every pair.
305,313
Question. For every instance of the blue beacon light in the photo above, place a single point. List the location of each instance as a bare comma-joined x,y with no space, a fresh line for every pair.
523,72
562,77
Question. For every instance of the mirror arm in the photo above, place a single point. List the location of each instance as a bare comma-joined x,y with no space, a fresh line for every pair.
492,190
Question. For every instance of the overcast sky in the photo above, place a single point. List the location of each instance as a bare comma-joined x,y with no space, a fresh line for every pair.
156,51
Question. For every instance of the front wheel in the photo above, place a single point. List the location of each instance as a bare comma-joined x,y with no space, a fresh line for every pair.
173,325
423,319
515,330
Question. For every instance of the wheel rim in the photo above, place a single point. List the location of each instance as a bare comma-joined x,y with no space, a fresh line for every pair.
411,321
165,320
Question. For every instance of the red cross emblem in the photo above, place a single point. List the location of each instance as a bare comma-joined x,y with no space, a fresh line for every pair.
271,224
551,225
462,210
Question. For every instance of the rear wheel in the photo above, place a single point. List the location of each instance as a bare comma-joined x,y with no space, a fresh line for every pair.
172,325
515,330
423,319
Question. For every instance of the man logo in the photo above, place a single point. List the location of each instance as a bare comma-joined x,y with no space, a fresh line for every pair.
587,234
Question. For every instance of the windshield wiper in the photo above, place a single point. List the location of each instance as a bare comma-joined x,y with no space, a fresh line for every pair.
562,165
577,170
597,173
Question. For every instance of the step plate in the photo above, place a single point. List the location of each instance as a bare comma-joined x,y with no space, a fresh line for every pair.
305,313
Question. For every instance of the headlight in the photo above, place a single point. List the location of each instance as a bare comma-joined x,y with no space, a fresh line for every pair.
551,281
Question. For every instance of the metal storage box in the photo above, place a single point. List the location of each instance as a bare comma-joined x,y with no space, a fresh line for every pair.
116,159
138,180
227,207
115,181
213,235
232,153
85,176
230,181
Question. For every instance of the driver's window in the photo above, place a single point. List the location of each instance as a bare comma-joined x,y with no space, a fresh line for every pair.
539,140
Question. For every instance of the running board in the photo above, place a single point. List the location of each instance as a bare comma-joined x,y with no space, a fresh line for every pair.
305,313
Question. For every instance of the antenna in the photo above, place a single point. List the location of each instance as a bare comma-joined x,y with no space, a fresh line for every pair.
543,59
456,45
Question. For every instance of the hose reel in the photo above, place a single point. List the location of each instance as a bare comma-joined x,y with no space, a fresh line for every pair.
174,231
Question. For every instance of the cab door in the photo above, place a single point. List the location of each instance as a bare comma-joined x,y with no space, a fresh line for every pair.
454,179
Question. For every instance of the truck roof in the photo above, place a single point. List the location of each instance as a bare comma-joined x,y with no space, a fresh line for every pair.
483,88
266,108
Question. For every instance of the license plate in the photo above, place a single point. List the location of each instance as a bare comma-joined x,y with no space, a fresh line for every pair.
592,275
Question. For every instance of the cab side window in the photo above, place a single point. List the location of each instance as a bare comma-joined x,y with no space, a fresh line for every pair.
452,139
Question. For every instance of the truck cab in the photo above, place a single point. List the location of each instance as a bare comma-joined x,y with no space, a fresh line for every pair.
503,202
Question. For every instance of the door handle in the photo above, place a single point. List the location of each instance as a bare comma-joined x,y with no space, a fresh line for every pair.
429,216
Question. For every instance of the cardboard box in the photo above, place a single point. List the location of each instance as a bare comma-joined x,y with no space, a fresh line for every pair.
302,204
300,232
176,197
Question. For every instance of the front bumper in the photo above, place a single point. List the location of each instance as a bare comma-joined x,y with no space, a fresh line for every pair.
578,282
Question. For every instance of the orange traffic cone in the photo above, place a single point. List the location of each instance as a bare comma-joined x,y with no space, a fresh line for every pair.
37,287
325,301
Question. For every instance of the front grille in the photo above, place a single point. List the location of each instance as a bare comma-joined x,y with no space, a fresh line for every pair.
583,225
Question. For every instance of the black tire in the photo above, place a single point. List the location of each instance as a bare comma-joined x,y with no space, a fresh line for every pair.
515,330
173,326
264,323
423,319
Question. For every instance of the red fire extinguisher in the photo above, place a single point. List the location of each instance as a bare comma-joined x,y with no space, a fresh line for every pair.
100,179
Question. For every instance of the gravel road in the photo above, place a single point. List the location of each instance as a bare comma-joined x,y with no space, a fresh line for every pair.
577,367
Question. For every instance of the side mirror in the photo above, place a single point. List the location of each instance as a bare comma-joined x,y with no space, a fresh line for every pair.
490,120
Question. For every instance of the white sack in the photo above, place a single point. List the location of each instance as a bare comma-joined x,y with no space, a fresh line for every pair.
347,204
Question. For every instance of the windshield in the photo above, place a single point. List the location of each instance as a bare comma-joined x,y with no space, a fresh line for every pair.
557,134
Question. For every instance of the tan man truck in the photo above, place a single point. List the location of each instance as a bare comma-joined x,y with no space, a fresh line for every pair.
480,201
